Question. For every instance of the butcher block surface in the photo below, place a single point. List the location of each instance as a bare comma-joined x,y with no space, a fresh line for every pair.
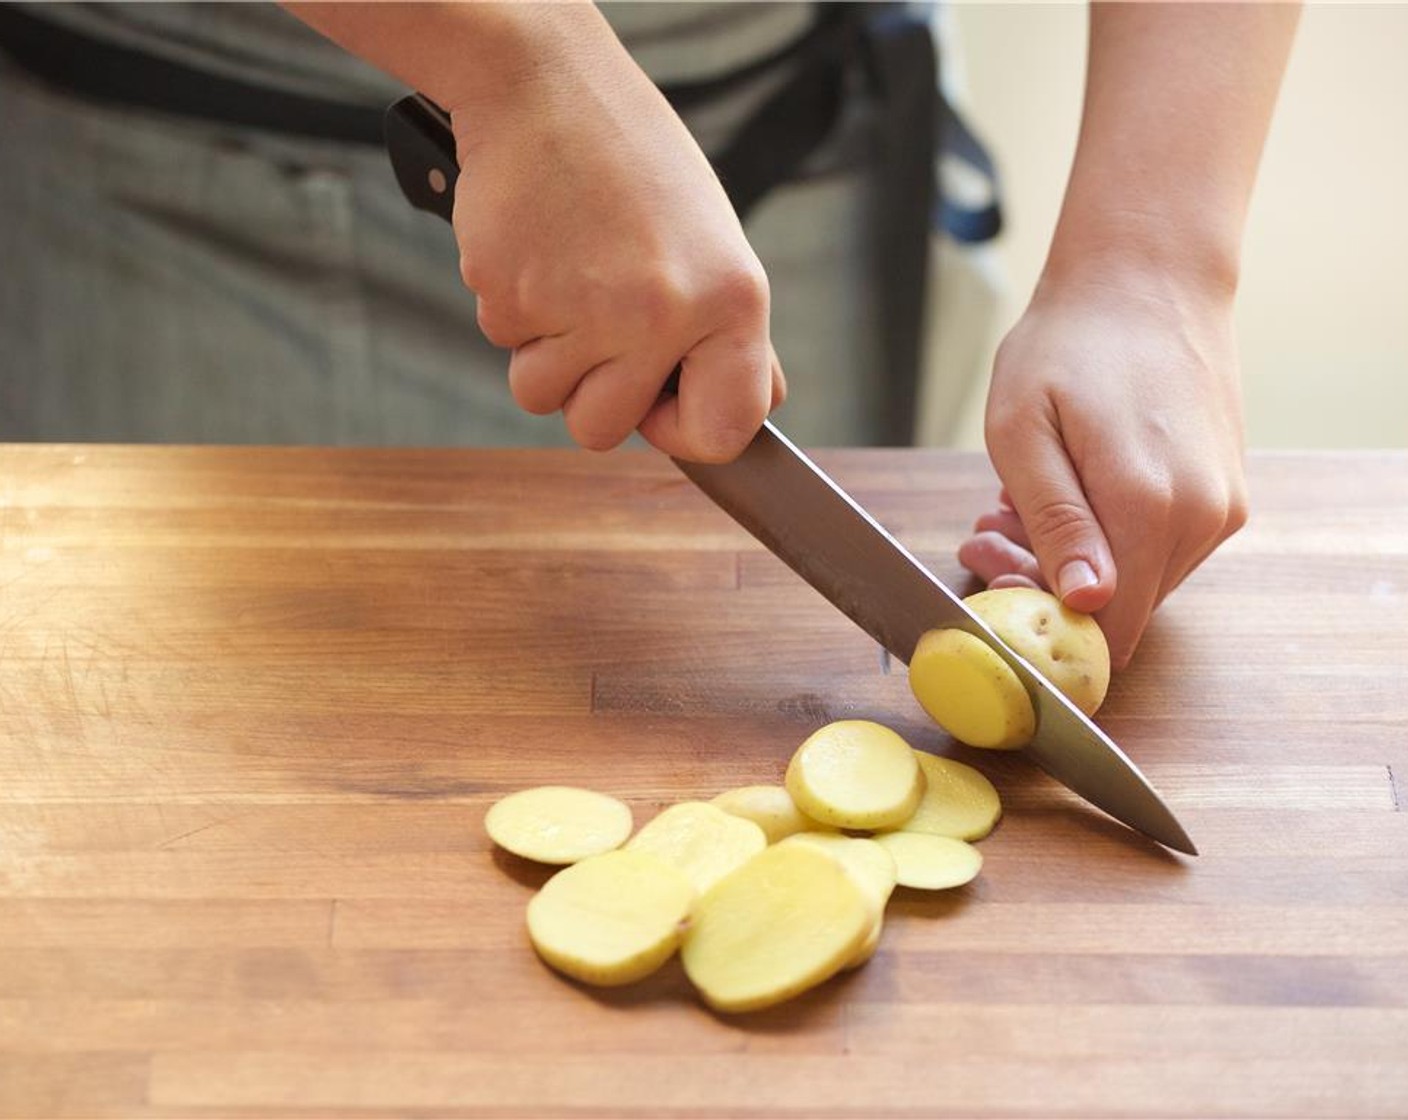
254,704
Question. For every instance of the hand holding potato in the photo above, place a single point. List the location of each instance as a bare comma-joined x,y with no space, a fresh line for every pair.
1115,425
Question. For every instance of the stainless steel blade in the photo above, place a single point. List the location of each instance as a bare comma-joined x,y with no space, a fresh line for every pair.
785,500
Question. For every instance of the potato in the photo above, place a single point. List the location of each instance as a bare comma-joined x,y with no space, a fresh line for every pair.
931,863
1068,648
610,919
558,824
771,808
970,691
855,774
973,694
701,840
958,801
873,869
788,919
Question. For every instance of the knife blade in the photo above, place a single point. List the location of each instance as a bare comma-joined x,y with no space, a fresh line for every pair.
775,491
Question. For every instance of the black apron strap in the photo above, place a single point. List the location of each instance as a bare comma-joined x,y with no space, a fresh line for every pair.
969,225
108,73
770,147
904,67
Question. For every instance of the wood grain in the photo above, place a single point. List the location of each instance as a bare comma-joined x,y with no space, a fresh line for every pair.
255,702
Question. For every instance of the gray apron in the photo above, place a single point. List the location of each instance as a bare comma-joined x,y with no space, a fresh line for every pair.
169,279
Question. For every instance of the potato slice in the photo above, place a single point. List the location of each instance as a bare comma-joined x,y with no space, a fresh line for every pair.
558,824
1067,647
873,869
610,919
931,863
771,808
701,840
970,691
788,919
855,774
958,800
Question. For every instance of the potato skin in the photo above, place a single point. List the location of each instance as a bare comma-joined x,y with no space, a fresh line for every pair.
1068,648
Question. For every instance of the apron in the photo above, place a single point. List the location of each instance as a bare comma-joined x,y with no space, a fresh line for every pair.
183,277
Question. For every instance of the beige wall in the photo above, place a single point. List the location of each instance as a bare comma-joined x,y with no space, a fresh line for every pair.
1323,309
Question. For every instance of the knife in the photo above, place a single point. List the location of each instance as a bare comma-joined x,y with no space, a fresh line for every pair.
789,504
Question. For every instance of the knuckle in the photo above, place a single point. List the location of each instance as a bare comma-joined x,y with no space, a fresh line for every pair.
1238,509
1210,508
1004,426
1061,523
658,302
492,326
658,305
472,274
531,393
742,293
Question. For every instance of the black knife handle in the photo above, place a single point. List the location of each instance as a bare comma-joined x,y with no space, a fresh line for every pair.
422,150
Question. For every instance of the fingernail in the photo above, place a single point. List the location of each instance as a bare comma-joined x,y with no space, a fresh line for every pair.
1074,576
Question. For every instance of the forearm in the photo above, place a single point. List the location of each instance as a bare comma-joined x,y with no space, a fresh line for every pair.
465,56
1178,103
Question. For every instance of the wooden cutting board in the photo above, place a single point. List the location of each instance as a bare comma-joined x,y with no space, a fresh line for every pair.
254,704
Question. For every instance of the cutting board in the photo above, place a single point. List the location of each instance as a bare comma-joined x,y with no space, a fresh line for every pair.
254,704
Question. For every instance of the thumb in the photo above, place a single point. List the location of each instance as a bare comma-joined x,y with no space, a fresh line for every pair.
1065,535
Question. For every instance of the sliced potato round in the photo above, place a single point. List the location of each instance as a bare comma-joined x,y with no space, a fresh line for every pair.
958,801
931,863
700,839
1067,647
771,808
855,774
788,919
969,691
873,869
558,824
610,919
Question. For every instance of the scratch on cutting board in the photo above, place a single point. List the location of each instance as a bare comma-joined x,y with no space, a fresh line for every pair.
198,829
1393,789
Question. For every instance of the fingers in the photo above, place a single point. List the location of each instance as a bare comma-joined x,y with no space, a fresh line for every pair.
1180,526
1006,522
543,372
779,382
1062,529
727,388
993,556
1127,615
611,400
603,401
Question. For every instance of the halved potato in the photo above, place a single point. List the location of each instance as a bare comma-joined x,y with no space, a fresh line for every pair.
558,824
771,808
970,691
788,919
855,774
701,840
958,800
931,863
610,919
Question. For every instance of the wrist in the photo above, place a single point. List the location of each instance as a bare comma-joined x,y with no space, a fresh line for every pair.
473,59
491,51
1142,252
